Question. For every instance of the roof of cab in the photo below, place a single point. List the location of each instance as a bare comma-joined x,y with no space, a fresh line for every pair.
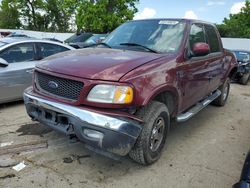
176,19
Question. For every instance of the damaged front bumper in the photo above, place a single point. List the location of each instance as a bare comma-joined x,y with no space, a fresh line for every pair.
104,133
243,69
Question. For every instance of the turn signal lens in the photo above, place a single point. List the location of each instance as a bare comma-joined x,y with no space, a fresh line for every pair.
123,95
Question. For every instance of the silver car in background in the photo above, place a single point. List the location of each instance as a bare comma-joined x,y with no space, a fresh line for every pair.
18,57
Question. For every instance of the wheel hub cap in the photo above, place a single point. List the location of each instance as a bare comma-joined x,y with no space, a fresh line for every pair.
157,134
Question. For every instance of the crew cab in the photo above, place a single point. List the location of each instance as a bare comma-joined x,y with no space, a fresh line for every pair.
121,96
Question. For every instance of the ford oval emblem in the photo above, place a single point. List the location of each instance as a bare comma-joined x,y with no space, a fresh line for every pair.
53,84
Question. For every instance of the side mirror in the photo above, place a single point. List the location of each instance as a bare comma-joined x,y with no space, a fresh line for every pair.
3,63
201,49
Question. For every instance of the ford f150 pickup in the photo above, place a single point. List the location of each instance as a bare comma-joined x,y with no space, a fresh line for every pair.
120,96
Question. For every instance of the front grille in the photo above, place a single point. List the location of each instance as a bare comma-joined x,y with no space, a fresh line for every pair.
61,87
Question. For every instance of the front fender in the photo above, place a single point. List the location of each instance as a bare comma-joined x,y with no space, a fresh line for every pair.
161,89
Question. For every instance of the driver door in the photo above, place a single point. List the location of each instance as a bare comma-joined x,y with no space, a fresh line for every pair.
193,75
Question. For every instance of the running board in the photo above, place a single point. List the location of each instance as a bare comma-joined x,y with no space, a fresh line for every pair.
198,107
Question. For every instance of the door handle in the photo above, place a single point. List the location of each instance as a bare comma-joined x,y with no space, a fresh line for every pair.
30,71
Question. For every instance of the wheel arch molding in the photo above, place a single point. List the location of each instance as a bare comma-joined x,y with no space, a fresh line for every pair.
166,94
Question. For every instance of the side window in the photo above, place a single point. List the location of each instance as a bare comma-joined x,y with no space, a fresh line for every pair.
212,39
196,35
19,53
51,49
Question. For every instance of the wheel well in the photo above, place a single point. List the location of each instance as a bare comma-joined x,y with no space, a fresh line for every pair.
168,99
232,73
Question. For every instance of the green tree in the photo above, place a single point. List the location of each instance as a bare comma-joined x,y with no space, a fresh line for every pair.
61,14
9,15
237,25
32,14
103,16
48,15
38,15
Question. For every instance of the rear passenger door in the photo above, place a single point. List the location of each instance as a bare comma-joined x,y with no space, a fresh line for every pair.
48,49
216,59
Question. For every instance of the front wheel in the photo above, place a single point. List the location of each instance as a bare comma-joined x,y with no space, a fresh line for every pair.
225,88
152,139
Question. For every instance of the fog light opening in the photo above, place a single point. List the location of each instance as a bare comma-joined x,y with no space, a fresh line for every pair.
39,112
63,120
48,115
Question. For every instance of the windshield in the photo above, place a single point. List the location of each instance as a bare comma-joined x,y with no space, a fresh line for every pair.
242,56
162,36
2,44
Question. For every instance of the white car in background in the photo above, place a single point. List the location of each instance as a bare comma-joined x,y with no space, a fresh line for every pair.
18,57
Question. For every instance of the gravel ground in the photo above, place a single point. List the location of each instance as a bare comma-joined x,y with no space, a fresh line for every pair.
206,151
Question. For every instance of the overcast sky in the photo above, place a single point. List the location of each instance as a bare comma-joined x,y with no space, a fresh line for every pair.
208,10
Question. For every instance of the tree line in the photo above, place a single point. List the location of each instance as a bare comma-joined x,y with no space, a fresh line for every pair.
98,16
237,25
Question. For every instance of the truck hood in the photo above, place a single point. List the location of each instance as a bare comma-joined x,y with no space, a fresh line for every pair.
97,63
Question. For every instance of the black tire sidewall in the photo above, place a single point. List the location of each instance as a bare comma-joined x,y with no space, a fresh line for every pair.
227,83
149,155
220,101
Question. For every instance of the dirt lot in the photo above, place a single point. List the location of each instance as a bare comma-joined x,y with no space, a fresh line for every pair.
206,151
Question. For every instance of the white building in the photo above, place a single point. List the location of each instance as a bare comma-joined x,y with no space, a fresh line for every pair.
39,35
236,43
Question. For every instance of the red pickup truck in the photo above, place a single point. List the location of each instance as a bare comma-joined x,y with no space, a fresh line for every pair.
120,96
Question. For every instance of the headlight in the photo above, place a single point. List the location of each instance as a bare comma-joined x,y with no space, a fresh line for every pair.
111,94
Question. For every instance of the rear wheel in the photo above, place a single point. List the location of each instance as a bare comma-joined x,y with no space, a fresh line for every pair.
244,79
225,88
152,139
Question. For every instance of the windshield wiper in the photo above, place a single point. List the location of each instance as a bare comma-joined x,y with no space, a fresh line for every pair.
135,44
104,44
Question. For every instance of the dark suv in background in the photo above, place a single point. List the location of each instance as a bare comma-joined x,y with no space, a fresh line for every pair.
243,71
77,39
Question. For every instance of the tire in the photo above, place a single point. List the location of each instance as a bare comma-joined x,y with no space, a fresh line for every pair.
222,99
244,79
151,141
